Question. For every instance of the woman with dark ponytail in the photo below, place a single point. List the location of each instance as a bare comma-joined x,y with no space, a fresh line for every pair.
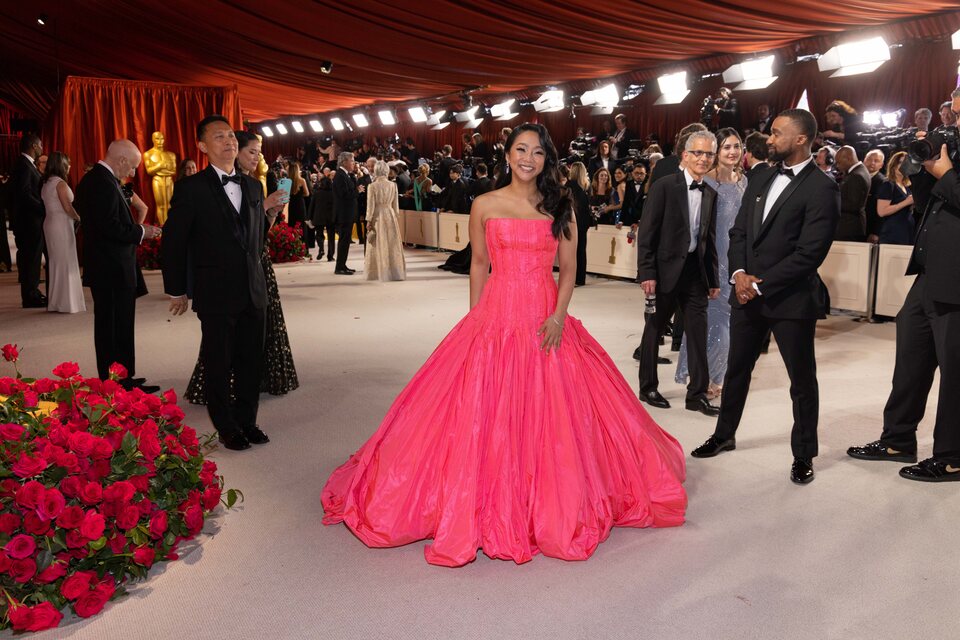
519,435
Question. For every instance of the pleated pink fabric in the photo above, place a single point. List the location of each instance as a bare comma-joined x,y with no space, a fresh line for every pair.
496,445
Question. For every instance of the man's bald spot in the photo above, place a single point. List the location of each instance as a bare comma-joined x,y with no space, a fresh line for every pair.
873,152
848,154
119,149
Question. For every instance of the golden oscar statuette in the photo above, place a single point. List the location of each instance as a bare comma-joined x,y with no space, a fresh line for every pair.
613,251
161,166
262,168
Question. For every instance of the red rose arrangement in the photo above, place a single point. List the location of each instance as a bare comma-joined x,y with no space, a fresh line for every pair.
148,253
285,243
97,484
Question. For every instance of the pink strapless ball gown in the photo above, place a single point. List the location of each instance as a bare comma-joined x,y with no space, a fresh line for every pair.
496,445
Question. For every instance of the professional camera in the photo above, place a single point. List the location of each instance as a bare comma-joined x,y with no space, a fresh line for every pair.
890,140
928,148
583,145
707,110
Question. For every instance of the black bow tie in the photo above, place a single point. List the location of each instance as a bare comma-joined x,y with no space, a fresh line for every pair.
234,178
782,170
696,186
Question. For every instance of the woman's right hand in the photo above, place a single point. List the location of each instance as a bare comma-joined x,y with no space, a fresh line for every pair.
275,200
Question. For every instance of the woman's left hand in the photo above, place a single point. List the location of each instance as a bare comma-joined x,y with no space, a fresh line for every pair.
551,331
275,200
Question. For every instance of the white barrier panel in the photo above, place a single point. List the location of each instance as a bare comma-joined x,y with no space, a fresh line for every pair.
892,285
846,272
454,231
609,253
402,222
421,228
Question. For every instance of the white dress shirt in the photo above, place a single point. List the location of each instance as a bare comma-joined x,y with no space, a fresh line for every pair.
694,200
231,188
780,184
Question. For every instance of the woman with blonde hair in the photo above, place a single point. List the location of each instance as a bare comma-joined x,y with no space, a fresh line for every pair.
895,204
384,256
421,187
579,182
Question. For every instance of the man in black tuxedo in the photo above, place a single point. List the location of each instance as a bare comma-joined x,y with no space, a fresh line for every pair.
633,196
928,335
481,183
217,218
481,150
28,213
110,239
671,164
755,155
727,109
782,234
677,260
764,119
854,191
447,161
621,138
344,209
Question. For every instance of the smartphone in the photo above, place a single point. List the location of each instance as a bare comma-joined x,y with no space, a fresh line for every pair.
285,184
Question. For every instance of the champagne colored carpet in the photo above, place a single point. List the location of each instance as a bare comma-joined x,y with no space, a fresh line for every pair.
860,553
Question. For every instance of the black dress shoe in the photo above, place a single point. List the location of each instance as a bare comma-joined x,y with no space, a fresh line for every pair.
703,406
879,451
713,446
148,388
233,441
343,272
675,345
662,360
34,304
932,470
254,435
636,353
330,258
654,398
802,471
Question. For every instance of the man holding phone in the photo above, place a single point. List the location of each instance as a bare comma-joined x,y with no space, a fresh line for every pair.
345,209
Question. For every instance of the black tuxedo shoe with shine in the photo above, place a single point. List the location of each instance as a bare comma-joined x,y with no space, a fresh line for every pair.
254,435
932,470
662,360
654,399
233,441
636,354
802,471
35,303
713,446
878,451
703,406
344,272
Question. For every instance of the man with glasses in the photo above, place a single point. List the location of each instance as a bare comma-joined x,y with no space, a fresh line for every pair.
677,264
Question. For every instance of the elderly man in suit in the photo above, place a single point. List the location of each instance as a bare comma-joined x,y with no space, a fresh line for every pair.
854,191
345,208
110,242
217,218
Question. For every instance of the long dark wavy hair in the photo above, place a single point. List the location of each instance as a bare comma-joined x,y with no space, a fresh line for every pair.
556,201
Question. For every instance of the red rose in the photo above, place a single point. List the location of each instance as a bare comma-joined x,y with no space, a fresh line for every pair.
158,524
37,618
66,369
4,563
20,546
71,486
128,517
117,543
193,518
92,602
140,483
9,522
92,526
9,487
170,396
172,413
30,399
91,493
10,431
81,443
68,461
144,556
71,518
34,524
149,446
121,491
101,449
99,470
211,498
75,540
44,385
29,495
77,584
117,371
188,437
28,466
145,507
52,573
23,570
10,352
51,505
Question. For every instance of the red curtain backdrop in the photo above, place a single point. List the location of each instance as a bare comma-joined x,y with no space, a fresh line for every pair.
921,74
92,112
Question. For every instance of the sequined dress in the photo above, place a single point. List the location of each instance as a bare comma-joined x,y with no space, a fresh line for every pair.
279,373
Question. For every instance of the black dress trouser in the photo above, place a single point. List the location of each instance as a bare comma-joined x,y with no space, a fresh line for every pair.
928,337
345,229
114,315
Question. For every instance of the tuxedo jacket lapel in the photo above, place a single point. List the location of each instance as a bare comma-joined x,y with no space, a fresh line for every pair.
793,186
231,215
680,193
706,209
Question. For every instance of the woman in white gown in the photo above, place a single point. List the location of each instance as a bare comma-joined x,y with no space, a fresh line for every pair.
384,256
64,290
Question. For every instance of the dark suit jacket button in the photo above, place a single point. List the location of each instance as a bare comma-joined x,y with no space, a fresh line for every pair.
756,254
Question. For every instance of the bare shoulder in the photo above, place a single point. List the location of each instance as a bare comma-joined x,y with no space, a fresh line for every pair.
484,204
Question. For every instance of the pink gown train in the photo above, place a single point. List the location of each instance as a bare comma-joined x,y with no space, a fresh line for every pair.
495,445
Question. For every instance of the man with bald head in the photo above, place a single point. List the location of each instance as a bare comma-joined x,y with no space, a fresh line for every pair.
854,190
110,239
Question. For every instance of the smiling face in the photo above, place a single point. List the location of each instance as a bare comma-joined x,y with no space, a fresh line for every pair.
731,152
526,157
619,175
699,157
249,157
603,177
603,148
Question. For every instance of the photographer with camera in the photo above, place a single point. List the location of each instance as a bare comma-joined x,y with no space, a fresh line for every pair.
928,330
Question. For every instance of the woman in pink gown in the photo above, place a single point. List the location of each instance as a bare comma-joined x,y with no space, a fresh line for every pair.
518,435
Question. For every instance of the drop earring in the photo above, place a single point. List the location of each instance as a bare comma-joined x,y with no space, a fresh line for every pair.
508,168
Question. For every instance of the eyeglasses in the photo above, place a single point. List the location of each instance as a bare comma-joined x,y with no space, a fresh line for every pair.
709,155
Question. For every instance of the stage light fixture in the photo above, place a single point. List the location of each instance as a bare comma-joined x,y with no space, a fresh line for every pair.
504,110
282,128
467,115
632,92
439,120
42,20
417,114
892,119
361,120
872,117
803,102
267,131
955,39
337,124
387,118
297,126
855,58
673,87
316,126
326,67
548,101
604,97
751,74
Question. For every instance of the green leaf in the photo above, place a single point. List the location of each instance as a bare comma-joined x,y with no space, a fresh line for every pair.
169,539
129,444
44,559
98,544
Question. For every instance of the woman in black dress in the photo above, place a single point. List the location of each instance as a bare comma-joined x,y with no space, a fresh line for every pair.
279,374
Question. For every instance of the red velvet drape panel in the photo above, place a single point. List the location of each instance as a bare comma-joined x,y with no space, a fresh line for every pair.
921,74
92,112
